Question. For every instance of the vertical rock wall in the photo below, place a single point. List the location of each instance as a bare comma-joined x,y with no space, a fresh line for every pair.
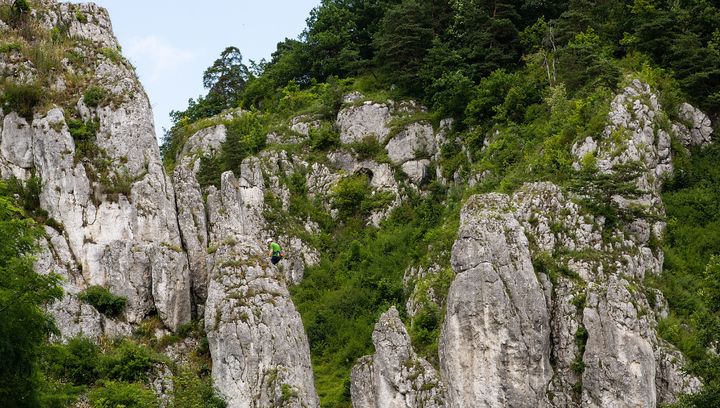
118,220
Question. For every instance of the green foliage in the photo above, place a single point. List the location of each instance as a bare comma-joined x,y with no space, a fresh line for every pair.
84,134
8,48
113,54
28,195
426,324
21,98
23,293
128,361
402,41
81,17
225,78
103,300
75,362
324,137
352,197
246,135
114,373
360,277
367,148
690,278
114,394
21,7
193,391
596,190
94,95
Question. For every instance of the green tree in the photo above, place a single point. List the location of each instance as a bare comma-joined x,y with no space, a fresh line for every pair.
402,42
24,326
329,36
226,78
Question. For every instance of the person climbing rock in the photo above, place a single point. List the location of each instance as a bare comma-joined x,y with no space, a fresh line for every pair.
276,254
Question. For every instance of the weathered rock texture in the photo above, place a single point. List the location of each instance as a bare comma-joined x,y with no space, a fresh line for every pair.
495,344
395,377
119,221
259,349
539,279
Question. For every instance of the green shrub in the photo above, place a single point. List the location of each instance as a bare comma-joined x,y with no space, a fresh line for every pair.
190,390
81,17
75,362
28,192
112,54
211,169
8,48
84,134
349,193
117,184
367,148
103,300
128,361
21,98
324,137
21,6
94,95
122,395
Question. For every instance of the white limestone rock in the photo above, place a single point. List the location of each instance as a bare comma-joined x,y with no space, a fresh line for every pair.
417,170
357,122
257,341
696,130
124,239
395,377
495,343
416,140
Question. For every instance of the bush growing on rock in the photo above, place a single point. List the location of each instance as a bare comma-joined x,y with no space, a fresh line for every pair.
21,98
117,394
103,300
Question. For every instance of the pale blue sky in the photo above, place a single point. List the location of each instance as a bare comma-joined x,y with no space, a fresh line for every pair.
171,43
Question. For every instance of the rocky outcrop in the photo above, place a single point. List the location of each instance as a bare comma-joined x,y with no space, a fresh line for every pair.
257,342
411,147
539,279
495,343
369,119
395,377
113,202
696,129
258,345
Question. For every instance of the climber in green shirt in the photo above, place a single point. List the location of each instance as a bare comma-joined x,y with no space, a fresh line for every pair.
276,254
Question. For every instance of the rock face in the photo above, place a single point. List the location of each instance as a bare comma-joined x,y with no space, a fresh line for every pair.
369,119
495,344
697,129
411,147
395,377
257,342
258,345
540,280
119,225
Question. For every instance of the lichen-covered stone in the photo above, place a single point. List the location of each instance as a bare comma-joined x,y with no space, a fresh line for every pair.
395,377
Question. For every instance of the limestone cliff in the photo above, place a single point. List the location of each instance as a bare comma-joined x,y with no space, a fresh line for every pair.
113,206
546,307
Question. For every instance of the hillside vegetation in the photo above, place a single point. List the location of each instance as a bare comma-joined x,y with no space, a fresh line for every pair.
524,81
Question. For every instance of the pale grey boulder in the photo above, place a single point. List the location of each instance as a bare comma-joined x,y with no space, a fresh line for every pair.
415,140
495,342
697,128
395,377
258,345
367,120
